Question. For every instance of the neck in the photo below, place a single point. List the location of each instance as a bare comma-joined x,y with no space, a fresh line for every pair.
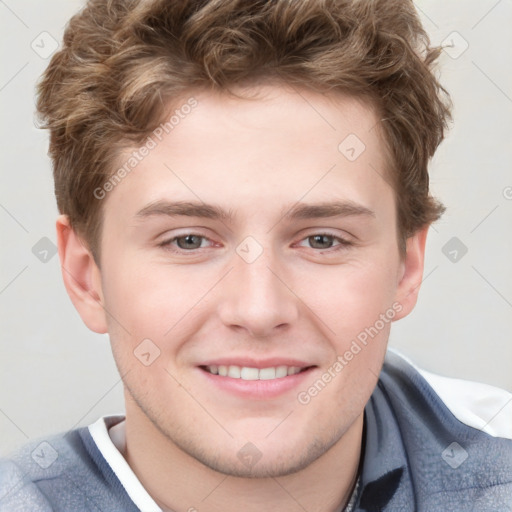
177,481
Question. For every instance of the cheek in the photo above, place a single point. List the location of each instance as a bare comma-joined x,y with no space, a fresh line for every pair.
358,309
141,304
154,301
353,297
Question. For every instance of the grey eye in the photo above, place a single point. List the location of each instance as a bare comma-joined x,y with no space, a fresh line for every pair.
321,241
189,241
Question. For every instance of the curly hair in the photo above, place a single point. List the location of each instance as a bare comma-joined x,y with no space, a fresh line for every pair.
123,62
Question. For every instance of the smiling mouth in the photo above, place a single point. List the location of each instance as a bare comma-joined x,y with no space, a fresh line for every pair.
248,373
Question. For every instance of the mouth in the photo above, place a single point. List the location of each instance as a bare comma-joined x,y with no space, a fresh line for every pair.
251,373
256,381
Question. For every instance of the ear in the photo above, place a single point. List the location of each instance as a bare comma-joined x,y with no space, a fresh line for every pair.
411,273
81,276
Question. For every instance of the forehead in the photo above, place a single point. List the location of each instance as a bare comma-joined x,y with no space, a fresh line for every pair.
276,145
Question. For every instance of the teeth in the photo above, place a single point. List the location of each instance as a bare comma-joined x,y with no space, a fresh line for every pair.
281,371
234,372
267,373
247,373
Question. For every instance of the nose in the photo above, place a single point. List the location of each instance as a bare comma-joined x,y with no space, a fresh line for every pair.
256,297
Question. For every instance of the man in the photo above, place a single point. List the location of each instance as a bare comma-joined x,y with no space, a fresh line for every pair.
244,203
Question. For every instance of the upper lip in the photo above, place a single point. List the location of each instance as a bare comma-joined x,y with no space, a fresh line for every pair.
253,363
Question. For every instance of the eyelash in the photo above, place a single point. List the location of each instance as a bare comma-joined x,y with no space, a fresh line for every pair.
343,243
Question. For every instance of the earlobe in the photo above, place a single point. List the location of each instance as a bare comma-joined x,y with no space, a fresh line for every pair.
412,272
81,277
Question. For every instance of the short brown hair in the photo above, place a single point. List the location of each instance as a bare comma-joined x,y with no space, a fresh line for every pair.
123,61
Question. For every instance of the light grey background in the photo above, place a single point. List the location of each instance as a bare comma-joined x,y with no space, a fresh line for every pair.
55,374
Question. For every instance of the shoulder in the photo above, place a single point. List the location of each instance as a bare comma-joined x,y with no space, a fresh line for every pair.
17,492
457,436
62,472
24,476
479,406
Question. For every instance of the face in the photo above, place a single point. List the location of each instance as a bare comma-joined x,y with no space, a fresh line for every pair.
250,270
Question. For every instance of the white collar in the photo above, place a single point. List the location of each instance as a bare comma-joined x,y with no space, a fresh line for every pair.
111,443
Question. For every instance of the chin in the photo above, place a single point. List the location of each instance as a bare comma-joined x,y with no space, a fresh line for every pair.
264,459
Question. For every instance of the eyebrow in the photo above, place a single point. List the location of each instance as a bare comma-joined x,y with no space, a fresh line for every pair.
299,211
304,211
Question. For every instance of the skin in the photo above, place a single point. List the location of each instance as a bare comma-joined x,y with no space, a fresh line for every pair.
300,297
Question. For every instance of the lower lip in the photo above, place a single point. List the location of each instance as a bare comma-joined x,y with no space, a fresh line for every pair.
258,389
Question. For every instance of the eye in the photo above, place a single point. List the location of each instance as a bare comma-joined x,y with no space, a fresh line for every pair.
325,241
191,241
187,242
